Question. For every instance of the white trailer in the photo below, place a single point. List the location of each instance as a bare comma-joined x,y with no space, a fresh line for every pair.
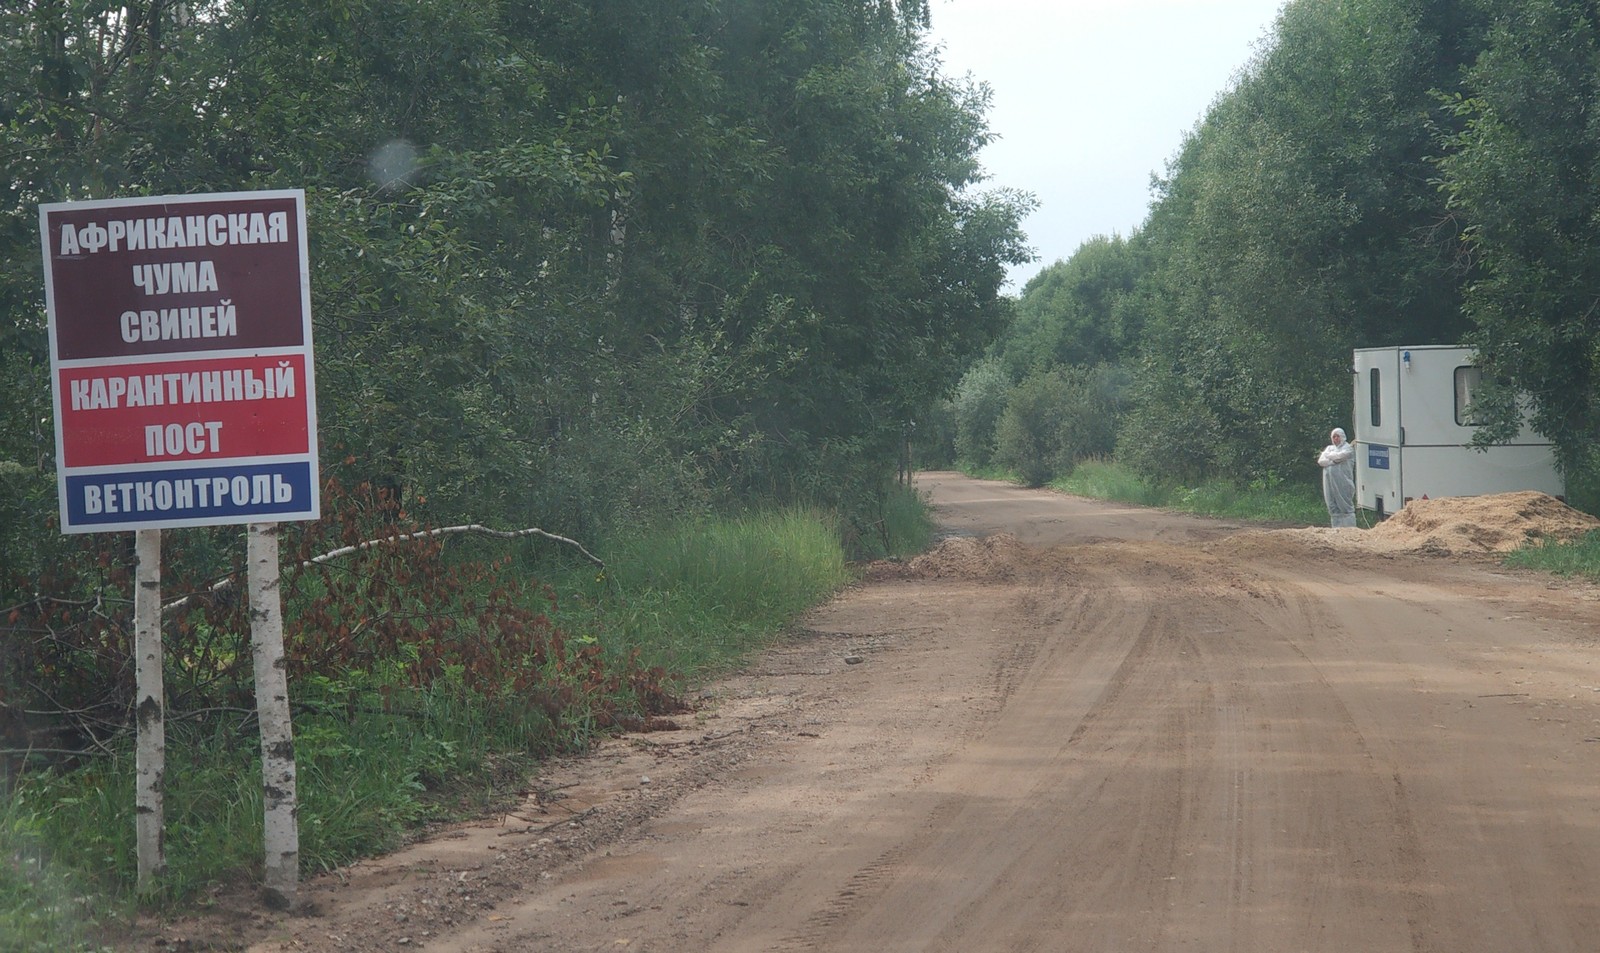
1412,433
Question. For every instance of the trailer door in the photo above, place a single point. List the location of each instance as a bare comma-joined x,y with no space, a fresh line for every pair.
1380,436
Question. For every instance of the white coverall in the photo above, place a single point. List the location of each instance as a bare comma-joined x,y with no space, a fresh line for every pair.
1338,463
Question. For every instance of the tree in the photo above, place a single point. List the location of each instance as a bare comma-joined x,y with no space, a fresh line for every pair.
1056,418
1075,312
1521,178
573,263
979,401
1297,222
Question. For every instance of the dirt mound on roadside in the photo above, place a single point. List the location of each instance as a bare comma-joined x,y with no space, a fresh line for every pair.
1498,523
998,558
1450,526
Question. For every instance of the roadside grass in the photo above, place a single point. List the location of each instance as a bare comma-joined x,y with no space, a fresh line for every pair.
1105,480
696,597
904,528
366,777
377,757
44,907
989,472
1580,557
1267,501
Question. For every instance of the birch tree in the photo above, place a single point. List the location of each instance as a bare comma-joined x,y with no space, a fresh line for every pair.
281,831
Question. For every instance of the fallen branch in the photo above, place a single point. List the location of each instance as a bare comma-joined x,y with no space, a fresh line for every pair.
469,528
480,529
574,819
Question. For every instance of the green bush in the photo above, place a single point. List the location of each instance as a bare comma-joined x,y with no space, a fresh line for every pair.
1269,500
1056,418
392,730
980,400
933,441
1103,479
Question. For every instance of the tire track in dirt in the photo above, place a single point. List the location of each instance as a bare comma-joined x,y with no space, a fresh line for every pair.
1427,650
1136,662
1308,618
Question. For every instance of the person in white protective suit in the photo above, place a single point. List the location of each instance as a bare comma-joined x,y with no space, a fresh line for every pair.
1338,463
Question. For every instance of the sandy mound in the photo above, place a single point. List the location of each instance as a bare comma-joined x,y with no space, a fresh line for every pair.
1498,523
1452,526
997,557
1455,526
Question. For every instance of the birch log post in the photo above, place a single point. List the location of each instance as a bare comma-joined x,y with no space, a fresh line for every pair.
150,760
281,830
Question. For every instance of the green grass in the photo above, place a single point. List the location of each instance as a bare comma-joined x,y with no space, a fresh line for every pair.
1269,501
1298,504
1104,480
1580,557
44,905
909,522
989,472
376,759
366,776
696,597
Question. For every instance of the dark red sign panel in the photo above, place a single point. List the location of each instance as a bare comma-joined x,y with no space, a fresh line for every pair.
180,331
138,278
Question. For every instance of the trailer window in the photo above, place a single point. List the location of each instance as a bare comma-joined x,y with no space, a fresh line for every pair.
1377,405
1467,381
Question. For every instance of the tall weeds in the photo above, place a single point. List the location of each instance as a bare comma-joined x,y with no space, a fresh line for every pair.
425,684
694,597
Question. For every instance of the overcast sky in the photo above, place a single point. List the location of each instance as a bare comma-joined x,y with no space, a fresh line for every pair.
1092,97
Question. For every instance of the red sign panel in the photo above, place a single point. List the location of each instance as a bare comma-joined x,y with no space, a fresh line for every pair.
180,332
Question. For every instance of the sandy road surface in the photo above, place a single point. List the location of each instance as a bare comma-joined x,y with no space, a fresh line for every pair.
1111,730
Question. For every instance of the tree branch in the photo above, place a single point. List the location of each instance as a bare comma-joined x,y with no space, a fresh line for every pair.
224,583
446,530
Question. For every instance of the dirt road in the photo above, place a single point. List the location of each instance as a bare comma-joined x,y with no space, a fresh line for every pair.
1105,729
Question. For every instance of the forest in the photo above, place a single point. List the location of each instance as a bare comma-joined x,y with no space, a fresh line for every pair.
574,264
1383,172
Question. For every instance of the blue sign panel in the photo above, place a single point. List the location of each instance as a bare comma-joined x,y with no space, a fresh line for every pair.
209,496
1377,457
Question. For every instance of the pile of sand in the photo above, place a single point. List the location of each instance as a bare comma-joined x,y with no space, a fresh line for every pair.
1498,523
995,557
1453,526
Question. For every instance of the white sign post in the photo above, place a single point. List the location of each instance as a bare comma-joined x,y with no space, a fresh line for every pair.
180,353
150,761
282,834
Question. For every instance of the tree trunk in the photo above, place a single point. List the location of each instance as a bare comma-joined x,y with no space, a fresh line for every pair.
282,834
150,761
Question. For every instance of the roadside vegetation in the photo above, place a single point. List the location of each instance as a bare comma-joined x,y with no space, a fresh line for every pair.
676,278
1432,200
385,743
1579,558
1104,479
1300,504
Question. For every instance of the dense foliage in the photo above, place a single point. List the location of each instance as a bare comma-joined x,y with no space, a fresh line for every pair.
1383,172
580,265
1521,177
573,262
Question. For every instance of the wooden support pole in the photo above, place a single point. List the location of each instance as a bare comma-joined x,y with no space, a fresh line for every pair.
281,810
150,760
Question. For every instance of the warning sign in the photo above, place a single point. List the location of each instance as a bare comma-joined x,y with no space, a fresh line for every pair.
180,344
